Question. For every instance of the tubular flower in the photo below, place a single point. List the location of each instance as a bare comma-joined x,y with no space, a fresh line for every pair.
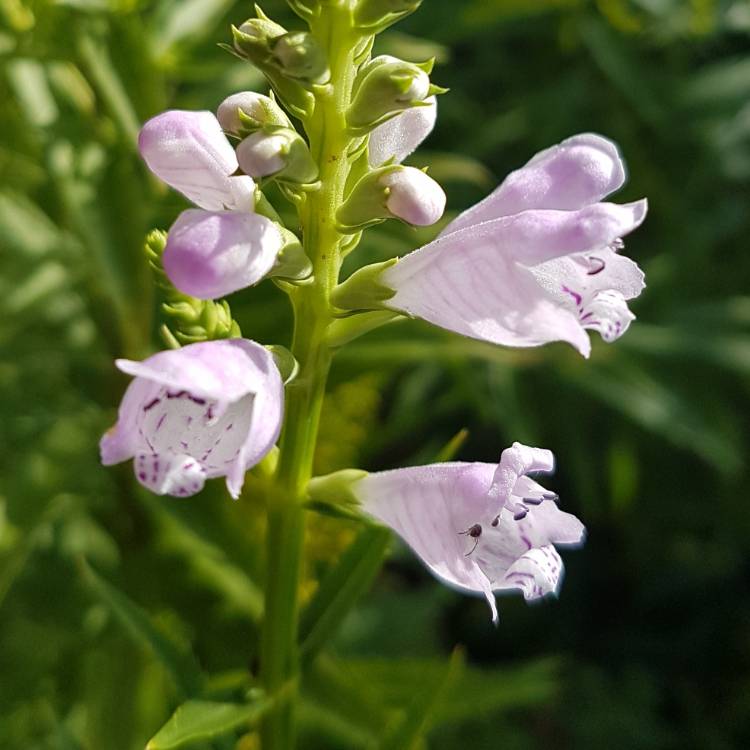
478,527
207,410
189,151
537,260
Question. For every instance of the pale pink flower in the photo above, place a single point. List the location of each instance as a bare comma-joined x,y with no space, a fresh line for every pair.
479,527
537,260
225,246
206,410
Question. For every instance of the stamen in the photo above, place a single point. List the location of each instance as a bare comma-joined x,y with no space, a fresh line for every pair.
600,268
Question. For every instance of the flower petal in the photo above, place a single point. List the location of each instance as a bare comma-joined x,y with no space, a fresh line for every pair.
413,196
189,151
578,172
536,573
217,402
210,254
501,545
430,507
169,474
515,463
476,282
401,135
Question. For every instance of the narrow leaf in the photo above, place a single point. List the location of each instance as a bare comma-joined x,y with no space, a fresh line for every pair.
340,590
412,726
179,662
197,721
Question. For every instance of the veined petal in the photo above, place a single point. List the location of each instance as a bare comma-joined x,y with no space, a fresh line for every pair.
596,287
401,135
479,281
189,151
210,254
578,172
429,507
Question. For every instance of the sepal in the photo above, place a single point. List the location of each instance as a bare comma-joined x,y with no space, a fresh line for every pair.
247,111
391,191
285,361
336,489
386,86
376,15
364,290
292,262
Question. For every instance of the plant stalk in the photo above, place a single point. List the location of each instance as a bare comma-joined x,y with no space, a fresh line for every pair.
329,145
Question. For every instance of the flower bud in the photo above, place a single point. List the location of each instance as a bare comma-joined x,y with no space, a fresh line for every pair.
210,254
281,152
414,197
247,111
297,55
257,40
253,38
386,86
394,191
382,13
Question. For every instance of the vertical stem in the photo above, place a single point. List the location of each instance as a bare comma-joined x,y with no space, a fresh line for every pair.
329,144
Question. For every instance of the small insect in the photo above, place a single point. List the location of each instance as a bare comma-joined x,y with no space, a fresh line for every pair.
474,532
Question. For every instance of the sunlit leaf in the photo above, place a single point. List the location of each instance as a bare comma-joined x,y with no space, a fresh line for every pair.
196,721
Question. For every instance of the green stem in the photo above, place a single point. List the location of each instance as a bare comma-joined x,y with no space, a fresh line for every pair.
329,144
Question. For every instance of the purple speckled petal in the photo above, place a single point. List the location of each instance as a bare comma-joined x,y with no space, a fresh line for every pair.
536,573
169,474
217,403
575,173
210,254
478,281
595,287
448,515
189,151
401,135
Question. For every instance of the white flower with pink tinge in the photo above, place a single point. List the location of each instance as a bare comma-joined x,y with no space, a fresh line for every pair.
206,410
223,245
537,260
479,527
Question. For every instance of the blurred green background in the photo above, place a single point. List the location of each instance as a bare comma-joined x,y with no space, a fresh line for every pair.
649,643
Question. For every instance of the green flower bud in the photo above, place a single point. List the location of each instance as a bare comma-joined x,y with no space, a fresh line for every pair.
385,86
257,39
297,55
378,14
247,111
281,152
254,37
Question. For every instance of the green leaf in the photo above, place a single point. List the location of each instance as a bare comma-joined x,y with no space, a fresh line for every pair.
196,721
108,84
411,727
207,561
475,692
178,661
340,590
